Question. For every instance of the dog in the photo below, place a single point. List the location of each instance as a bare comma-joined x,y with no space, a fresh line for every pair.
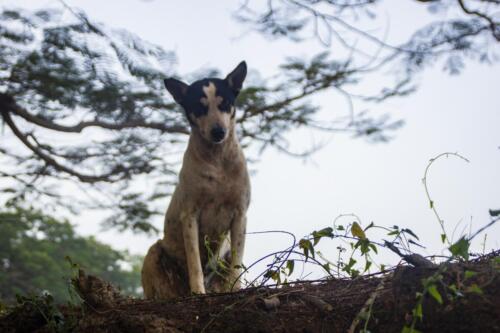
205,222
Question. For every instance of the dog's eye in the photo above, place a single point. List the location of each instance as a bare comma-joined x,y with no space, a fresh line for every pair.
226,106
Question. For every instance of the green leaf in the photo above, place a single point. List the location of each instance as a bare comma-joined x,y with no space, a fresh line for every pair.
371,225
408,231
460,248
431,204
435,293
469,274
455,291
373,247
275,275
367,265
443,237
417,311
307,247
349,268
411,241
351,263
474,288
326,232
363,245
356,231
315,239
290,265
317,235
340,228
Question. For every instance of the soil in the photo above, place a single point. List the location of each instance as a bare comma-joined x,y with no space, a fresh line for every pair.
334,305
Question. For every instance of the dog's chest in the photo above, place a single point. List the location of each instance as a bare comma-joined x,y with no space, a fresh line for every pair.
223,194
215,219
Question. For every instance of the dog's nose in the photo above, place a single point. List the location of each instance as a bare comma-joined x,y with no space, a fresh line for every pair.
218,133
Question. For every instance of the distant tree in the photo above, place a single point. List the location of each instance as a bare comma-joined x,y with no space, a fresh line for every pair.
33,251
83,105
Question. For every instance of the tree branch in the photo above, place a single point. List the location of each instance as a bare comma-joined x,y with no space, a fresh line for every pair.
492,23
50,161
77,128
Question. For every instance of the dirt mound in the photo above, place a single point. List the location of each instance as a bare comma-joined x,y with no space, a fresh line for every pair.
470,302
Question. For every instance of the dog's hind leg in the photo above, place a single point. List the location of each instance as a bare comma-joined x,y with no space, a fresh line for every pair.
162,276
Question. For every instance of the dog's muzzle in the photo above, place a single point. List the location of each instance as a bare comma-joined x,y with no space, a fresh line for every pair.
218,134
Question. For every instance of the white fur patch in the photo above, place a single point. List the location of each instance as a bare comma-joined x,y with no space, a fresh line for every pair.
211,100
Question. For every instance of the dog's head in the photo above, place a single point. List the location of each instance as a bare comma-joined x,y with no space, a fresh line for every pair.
209,103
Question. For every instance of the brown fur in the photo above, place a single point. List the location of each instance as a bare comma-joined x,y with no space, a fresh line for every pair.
209,202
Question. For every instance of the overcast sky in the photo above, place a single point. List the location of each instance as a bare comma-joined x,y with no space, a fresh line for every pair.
378,182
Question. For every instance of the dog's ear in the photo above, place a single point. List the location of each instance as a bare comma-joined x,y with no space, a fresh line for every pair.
236,77
176,88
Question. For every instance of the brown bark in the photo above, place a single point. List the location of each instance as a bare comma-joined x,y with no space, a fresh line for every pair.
328,306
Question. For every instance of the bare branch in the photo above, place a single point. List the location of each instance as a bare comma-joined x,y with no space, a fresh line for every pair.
50,161
77,128
494,26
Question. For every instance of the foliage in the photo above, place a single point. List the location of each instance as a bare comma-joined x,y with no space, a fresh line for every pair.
87,105
34,252
365,244
349,265
83,104
456,30
44,306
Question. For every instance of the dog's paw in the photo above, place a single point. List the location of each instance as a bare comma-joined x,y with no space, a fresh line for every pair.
198,289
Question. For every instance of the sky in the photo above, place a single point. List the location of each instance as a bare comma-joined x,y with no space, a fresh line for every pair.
377,182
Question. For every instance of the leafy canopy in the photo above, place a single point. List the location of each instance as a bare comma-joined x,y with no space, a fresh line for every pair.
33,257
87,123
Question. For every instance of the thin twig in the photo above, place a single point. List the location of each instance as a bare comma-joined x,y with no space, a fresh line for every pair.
431,202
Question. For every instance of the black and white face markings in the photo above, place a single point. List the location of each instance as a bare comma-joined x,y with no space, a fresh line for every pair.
209,94
209,103
209,106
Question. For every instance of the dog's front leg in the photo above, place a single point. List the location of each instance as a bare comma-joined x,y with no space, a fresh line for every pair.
191,246
238,230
